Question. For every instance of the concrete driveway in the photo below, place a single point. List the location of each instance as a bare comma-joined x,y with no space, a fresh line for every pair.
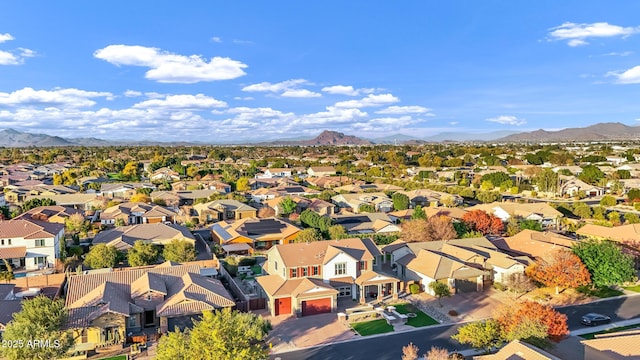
469,306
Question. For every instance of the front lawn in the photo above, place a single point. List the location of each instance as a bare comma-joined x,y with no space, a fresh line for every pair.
421,318
372,327
601,292
635,288
592,335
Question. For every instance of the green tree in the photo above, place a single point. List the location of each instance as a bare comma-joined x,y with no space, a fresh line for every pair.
530,225
488,196
337,232
43,319
179,251
242,184
614,217
76,223
418,213
102,256
142,254
400,201
220,335
547,180
288,206
631,218
482,335
608,200
582,210
591,174
496,178
308,235
633,195
440,290
606,262
367,208
36,202
130,170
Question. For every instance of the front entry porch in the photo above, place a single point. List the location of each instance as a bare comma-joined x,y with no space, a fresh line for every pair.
373,286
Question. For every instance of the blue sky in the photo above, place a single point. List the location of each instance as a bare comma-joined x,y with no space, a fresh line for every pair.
227,71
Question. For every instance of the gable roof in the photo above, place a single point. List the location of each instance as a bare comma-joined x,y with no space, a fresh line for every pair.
124,237
519,210
620,345
630,232
91,295
29,229
254,228
128,208
533,243
320,252
276,286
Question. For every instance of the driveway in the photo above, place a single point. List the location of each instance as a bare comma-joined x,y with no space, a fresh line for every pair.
469,306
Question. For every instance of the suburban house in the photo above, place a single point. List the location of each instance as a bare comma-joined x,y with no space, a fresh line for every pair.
534,244
30,244
322,207
540,212
246,235
261,195
122,191
352,202
104,308
219,210
310,278
302,203
164,174
136,213
55,214
295,190
465,265
516,350
573,186
427,198
179,198
360,187
626,235
399,216
454,213
123,237
366,223
328,182
319,171
613,346
275,173
76,201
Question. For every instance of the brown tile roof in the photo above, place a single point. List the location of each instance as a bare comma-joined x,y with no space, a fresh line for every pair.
630,232
534,243
91,295
276,286
124,237
28,229
13,252
518,350
319,252
454,213
128,208
620,345
520,210
373,278
43,213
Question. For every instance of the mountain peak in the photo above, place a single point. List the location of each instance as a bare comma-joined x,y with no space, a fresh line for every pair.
329,137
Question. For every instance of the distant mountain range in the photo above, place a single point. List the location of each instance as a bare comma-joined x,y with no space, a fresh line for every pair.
601,131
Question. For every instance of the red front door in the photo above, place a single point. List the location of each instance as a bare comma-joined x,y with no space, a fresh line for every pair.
283,306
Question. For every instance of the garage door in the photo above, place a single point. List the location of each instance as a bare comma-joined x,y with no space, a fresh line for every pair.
466,286
283,306
312,307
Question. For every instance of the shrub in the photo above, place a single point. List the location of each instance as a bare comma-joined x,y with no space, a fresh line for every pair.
247,261
499,286
414,288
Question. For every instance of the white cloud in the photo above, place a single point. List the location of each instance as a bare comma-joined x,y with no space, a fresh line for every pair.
6,37
454,122
216,39
577,34
508,120
631,76
347,90
132,93
275,88
66,98
623,53
7,58
300,93
198,101
243,98
405,110
166,67
27,52
370,101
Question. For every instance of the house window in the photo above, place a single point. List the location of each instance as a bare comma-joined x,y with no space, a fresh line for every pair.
2,242
315,270
132,320
304,271
341,268
39,242
344,291
9,242
148,297
276,265
40,260
294,273
363,265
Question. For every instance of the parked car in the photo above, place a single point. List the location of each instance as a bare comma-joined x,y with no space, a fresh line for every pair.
593,319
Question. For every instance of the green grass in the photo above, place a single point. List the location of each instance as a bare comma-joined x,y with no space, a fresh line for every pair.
592,335
601,292
119,357
635,288
372,327
421,318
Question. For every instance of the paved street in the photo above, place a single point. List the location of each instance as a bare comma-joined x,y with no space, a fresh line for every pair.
389,346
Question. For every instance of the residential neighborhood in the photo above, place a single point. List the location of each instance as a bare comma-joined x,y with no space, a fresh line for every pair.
140,254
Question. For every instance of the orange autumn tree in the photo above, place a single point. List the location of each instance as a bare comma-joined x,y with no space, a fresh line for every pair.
513,317
479,220
562,270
